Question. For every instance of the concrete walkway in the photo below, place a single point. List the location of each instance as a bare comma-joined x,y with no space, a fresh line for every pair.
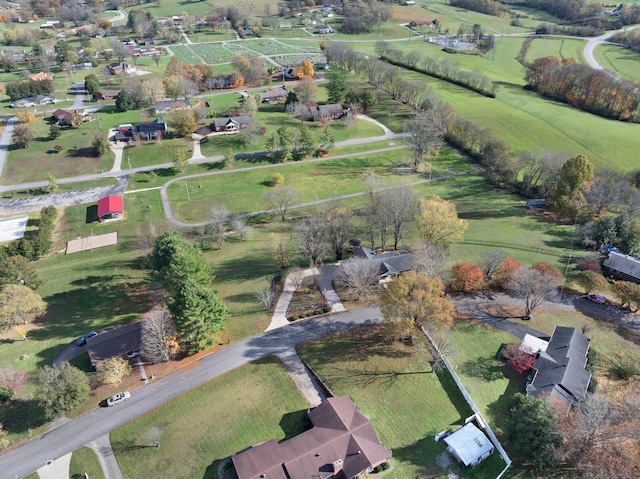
279,317
197,152
325,283
118,150
5,140
102,447
302,377
58,469
386,130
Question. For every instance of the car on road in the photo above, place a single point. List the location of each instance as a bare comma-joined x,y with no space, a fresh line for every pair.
118,398
83,340
133,354
597,298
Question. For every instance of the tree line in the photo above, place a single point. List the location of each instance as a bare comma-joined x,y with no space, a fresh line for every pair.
580,86
35,243
489,7
631,38
28,88
441,68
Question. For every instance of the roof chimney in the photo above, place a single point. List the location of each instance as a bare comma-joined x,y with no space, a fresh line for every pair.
337,466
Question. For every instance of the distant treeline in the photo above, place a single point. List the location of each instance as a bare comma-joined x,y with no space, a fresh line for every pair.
490,7
441,68
630,39
595,91
567,9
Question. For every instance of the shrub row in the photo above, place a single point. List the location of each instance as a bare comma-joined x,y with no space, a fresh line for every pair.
308,314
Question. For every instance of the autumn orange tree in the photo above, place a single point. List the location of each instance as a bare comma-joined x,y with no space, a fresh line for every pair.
505,271
419,298
591,281
304,69
467,277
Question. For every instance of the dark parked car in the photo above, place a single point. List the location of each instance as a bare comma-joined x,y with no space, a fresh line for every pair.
83,340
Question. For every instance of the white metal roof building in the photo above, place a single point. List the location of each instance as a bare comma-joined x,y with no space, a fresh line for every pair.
469,445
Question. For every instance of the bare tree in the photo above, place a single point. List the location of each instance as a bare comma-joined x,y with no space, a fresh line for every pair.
533,287
423,136
240,227
215,230
297,110
152,436
400,208
296,276
340,228
359,276
431,260
157,333
280,199
311,239
601,436
267,297
490,262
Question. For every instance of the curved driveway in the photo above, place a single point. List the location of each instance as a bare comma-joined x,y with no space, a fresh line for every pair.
74,434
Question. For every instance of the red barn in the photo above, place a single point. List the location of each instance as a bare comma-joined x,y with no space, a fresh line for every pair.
110,208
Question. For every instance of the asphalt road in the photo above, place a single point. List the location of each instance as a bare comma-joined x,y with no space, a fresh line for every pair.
75,434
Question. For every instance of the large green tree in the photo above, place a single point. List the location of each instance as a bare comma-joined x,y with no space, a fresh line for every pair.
124,102
19,270
199,315
19,305
175,260
337,87
533,431
61,388
567,197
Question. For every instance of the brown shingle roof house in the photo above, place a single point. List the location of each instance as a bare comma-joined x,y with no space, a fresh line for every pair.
342,444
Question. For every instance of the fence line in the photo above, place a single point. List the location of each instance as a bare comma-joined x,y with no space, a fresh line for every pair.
472,405
500,244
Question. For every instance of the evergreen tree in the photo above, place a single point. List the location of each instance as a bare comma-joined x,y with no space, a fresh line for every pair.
124,102
199,315
337,87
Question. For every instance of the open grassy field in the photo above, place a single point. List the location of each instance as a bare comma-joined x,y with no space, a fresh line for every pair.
247,406
40,158
559,47
394,385
622,61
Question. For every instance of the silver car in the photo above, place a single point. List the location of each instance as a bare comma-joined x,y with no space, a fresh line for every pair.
118,398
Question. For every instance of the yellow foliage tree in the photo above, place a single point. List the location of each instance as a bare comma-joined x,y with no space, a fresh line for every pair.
419,298
21,331
25,115
439,222
304,69
113,370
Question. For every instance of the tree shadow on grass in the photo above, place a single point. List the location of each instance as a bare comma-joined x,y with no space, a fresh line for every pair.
251,265
423,453
455,396
367,378
485,369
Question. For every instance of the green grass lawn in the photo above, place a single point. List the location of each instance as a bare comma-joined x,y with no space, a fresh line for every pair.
40,158
394,386
85,461
559,47
622,61
249,405
154,152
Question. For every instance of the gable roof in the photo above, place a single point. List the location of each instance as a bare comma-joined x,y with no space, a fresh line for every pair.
165,105
391,263
156,125
239,120
624,264
278,92
326,111
342,444
115,342
109,204
560,370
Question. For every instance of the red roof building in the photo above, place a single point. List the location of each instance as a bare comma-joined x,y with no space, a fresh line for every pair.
110,208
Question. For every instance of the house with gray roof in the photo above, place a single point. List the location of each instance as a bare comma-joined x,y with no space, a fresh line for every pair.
623,266
274,95
333,111
390,264
231,123
342,444
559,371
168,106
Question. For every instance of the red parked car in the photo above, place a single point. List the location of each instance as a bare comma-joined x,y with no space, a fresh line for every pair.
597,298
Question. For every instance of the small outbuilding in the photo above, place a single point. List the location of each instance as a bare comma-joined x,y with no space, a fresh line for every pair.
110,208
469,445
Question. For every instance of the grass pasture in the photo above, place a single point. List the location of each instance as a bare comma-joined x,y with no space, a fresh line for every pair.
85,461
622,61
40,158
200,429
394,386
